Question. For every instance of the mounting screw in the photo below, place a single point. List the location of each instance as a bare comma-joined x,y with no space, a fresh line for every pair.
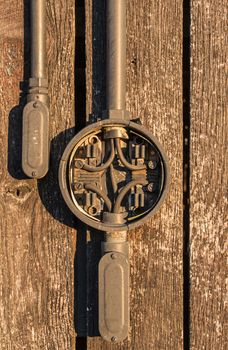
35,104
150,187
92,210
113,256
33,174
78,186
152,164
114,339
79,164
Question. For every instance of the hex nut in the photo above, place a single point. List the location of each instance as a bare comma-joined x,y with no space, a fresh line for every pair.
38,82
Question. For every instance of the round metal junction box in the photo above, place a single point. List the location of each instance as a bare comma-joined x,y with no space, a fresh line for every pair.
113,175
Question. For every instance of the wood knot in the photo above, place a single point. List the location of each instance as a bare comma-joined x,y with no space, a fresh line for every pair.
20,192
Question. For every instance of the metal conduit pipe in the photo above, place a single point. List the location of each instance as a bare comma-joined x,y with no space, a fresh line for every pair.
38,32
35,140
115,54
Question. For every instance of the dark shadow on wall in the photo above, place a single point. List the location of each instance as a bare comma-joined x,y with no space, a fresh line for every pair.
80,259
186,170
88,250
98,105
48,187
99,57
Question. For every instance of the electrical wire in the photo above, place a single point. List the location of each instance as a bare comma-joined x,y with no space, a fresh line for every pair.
124,160
124,191
103,166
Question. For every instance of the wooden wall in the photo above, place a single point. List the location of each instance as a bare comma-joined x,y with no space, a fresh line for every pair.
176,60
208,181
36,248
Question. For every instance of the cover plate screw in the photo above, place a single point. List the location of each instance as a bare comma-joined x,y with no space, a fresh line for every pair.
150,187
152,164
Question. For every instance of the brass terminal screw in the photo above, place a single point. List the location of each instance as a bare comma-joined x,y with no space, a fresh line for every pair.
152,164
150,187
92,210
79,164
114,339
78,186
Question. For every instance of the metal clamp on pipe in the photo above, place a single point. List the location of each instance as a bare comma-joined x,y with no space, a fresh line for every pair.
35,140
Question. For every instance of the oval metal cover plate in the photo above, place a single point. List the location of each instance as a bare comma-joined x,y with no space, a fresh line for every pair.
35,143
114,297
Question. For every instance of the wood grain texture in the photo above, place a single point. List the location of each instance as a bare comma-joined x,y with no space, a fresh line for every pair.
208,201
154,92
36,248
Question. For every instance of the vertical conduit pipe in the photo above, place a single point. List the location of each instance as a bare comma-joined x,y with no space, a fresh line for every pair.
35,139
115,55
38,33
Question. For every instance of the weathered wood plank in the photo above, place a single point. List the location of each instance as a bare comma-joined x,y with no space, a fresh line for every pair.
154,92
208,201
36,250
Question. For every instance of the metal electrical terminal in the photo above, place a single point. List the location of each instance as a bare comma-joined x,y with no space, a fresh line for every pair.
35,138
113,176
